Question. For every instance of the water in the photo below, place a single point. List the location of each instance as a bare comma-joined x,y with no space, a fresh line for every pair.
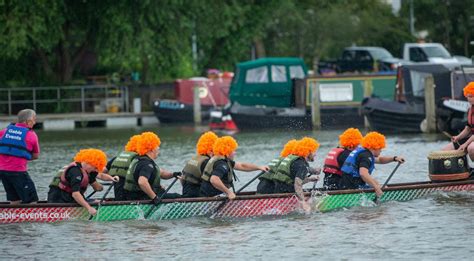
436,227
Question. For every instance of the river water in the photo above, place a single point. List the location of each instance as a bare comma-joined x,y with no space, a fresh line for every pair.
437,227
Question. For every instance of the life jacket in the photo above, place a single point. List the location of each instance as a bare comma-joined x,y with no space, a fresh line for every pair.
350,165
331,165
60,179
192,170
13,142
132,185
121,163
283,173
470,119
273,167
206,176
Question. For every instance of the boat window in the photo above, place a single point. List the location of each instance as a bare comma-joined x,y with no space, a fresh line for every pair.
296,71
279,73
257,75
418,83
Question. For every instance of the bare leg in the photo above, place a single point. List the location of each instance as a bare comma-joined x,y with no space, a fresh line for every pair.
470,151
449,146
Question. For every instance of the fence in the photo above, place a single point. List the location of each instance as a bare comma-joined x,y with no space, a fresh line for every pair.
65,99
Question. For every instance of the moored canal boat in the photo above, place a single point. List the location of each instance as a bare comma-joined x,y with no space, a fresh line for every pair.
244,206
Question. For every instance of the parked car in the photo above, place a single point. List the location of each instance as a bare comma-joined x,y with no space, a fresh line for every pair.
361,59
432,53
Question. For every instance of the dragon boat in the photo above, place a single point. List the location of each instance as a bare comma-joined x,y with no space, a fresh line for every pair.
245,205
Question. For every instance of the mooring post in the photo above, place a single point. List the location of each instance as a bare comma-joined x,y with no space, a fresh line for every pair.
196,105
367,94
315,105
430,105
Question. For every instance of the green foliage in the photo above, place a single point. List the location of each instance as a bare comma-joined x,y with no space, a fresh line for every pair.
63,41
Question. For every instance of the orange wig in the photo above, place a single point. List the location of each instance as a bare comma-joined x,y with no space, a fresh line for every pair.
132,143
148,141
224,146
305,146
93,157
373,140
288,148
205,143
350,138
469,89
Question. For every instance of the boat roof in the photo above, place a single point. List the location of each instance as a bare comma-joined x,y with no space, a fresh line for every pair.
271,60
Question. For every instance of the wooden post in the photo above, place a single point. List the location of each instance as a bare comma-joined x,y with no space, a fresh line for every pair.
196,105
430,105
367,93
315,106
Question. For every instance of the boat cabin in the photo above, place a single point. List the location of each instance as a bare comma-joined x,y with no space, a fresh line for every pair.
267,81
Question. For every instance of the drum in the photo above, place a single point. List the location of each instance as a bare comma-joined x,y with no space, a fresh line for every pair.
448,165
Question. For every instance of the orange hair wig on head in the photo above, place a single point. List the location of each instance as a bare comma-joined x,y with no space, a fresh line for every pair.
373,140
93,157
469,89
288,148
350,138
132,143
305,146
148,141
205,143
224,146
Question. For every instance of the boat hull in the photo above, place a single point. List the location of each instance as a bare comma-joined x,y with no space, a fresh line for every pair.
171,111
244,206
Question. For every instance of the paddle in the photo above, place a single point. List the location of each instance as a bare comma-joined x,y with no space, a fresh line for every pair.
376,200
103,197
250,182
160,198
93,192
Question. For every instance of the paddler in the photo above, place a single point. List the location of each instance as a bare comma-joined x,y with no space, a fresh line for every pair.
360,163
293,171
71,181
464,140
143,176
333,162
219,173
194,168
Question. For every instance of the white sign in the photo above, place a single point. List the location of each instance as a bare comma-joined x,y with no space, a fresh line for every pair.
335,92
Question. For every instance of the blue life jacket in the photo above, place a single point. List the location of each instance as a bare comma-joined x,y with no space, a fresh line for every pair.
350,165
13,142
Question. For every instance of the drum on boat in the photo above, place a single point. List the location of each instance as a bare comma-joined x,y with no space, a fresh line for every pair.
448,165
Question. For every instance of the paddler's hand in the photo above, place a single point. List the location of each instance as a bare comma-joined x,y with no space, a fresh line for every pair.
231,195
399,159
455,138
264,168
115,178
92,211
156,200
313,178
315,171
378,192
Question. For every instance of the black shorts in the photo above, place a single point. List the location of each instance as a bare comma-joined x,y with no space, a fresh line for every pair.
19,186
331,181
460,142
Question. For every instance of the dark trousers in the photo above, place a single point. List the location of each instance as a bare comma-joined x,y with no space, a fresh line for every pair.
19,186
266,186
331,181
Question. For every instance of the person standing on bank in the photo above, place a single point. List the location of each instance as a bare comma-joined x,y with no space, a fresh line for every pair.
143,176
464,140
71,182
119,165
333,162
219,173
267,184
194,168
360,163
293,171
19,144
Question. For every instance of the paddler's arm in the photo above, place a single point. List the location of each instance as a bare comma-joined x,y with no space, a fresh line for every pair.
107,177
464,133
364,174
79,198
218,184
299,188
145,187
243,166
388,159
164,174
